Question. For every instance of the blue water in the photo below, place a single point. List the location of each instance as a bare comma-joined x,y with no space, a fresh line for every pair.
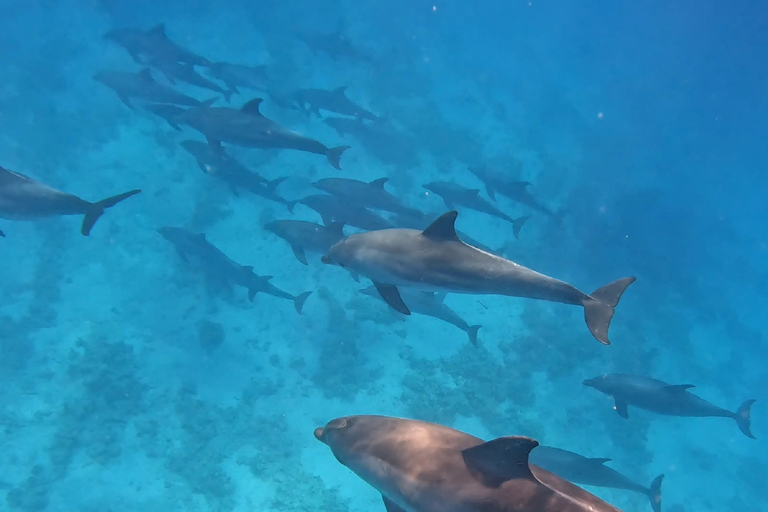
128,383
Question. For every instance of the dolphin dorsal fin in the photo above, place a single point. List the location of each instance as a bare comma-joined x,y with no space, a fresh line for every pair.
502,459
146,75
600,460
473,192
158,30
340,90
252,107
201,237
679,388
248,268
379,183
443,228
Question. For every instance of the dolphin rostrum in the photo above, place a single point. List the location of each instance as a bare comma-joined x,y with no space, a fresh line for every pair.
663,398
426,467
22,198
592,471
437,260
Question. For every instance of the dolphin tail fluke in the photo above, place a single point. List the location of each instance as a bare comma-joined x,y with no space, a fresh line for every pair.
517,225
299,301
743,418
599,307
472,333
654,493
334,155
291,205
1,233
96,210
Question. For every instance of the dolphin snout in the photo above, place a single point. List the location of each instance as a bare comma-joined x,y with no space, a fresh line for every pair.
320,434
327,259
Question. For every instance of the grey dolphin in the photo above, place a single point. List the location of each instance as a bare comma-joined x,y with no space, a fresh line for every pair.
333,209
380,139
142,86
312,101
437,260
22,198
591,471
430,304
370,195
305,236
153,44
237,75
248,127
517,191
335,44
178,72
426,467
663,398
453,195
195,249
220,165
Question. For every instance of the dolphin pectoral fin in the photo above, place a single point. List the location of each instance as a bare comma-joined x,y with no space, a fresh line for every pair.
599,307
126,101
96,210
390,505
621,408
502,459
299,253
743,418
654,493
355,276
391,296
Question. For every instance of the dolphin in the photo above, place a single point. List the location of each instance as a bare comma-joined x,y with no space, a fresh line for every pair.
237,75
371,195
380,140
426,467
515,190
195,249
663,398
312,101
454,194
305,236
142,86
437,260
22,198
431,304
175,71
335,44
153,44
219,164
248,127
588,471
333,209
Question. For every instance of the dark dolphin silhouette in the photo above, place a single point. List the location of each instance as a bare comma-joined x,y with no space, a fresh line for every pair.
305,236
153,45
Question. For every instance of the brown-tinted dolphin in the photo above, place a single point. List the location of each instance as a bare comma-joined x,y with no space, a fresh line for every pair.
22,198
582,470
437,260
153,44
663,398
249,128
425,467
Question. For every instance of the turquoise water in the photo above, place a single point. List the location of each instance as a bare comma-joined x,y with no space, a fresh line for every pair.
131,382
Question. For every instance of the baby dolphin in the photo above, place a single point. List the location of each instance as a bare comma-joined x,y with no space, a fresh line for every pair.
307,236
314,100
454,194
437,260
662,398
195,249
426,467
22,198
431,304
588,471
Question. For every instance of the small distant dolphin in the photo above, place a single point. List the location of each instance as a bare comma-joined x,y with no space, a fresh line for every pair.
153,44
425,467
237,75
335,44
370,195
248,127
175,71
142,86
305,236
515,190
437,260
333,209
588,471
312,101
381,140
431,304
454,194
196,249
22,198
662,398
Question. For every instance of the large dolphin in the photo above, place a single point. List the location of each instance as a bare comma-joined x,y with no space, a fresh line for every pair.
425,467
305,236
454,194
517,191
430,304
195,249
312,101
663,398
248,127
178,72
22,198
142,86
592,471
153,44
437,260
370,195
